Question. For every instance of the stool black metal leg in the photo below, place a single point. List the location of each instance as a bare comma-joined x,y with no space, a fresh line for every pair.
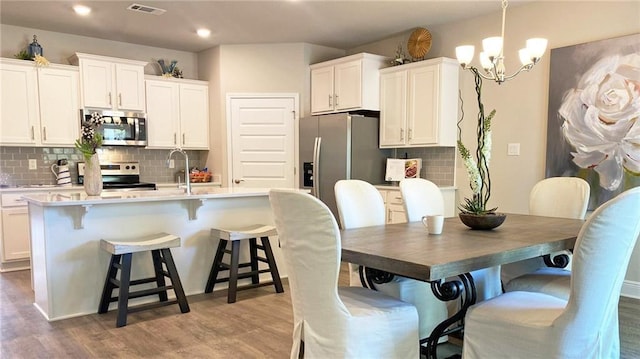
157,268
175,280
123,292
233,271
109,286
273,268
253,254
215,267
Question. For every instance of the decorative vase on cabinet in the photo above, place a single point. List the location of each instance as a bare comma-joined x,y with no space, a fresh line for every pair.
93,176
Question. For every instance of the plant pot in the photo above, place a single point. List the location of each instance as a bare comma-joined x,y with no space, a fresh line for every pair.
93,176
482,221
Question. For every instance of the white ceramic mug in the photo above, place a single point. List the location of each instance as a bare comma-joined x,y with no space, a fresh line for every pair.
433,223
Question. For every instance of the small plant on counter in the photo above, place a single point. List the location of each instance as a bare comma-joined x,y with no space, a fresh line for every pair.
90,139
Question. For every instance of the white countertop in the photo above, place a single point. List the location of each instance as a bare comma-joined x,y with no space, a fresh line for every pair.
80,197
77,187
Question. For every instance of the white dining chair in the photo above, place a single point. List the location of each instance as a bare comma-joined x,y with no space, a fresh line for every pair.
537,325
422,197
565,197
360,204
332,321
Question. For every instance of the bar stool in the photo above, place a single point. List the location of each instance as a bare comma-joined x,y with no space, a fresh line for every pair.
235,236
121,253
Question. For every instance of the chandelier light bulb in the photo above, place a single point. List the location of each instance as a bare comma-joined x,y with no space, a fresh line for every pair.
536,47
464,54
492,46
525,58
485,62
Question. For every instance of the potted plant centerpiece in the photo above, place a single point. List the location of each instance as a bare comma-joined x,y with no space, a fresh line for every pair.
88,143
474,212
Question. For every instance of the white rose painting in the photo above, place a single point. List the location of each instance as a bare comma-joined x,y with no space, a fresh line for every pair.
594,115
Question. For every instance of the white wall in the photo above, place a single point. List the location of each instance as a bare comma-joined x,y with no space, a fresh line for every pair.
58,47
254,68
521,103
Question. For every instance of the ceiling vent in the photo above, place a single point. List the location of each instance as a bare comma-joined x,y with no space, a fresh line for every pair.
146,9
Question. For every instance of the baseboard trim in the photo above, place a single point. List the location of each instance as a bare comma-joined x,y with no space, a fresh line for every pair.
630,289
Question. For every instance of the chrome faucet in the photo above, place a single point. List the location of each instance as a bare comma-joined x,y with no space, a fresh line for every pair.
187,180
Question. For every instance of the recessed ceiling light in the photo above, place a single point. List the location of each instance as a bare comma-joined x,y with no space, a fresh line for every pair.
204,32
82,10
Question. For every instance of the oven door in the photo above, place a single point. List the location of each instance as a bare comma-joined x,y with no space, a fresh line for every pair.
119,187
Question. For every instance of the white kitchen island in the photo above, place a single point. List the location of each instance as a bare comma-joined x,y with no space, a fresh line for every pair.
69,268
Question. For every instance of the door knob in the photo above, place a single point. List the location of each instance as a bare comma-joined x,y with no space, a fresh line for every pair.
237,181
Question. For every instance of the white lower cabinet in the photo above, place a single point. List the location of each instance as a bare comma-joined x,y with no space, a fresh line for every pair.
394,206
15,247
15,234
15,237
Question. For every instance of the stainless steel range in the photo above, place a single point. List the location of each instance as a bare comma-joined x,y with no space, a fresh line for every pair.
119,176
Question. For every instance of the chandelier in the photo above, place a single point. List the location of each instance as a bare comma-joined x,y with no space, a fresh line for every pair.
492,57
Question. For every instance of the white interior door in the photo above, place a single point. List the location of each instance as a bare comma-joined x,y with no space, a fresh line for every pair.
262,141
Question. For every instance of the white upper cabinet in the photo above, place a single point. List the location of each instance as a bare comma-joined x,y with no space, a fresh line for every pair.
347,83
177,113
19,119
194,116
59,95
419,104
39,105
111,83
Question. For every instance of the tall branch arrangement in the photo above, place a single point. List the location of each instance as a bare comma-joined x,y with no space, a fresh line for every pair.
478,167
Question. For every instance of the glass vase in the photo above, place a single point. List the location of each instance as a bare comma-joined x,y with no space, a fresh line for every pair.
93,176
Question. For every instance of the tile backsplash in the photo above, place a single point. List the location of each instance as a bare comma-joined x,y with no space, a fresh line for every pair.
438,163
14,163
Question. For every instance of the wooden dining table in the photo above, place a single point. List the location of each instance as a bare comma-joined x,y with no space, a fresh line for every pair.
408,250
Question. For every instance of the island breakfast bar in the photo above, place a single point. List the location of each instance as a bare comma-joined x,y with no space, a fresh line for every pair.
68,267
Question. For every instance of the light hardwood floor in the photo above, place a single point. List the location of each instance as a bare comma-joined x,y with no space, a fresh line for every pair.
258,325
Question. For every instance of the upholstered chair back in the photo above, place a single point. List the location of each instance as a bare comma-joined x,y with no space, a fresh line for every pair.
564,197
360,204
334,322
309,235
600,259
421,197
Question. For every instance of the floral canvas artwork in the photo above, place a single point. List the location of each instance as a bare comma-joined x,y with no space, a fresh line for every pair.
594,115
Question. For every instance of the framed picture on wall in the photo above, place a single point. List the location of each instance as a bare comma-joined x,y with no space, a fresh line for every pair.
593,128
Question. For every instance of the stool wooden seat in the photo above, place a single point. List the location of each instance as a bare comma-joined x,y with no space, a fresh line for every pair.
121,254
252,233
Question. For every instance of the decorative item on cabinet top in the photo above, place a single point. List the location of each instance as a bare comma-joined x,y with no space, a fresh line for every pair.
34,48
170,70
419,43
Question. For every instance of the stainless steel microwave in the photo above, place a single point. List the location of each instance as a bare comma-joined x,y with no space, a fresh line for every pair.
120,128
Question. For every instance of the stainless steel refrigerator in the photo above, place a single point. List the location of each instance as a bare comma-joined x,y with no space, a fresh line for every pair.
339,146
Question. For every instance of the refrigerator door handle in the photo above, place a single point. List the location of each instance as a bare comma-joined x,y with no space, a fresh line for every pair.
316,167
